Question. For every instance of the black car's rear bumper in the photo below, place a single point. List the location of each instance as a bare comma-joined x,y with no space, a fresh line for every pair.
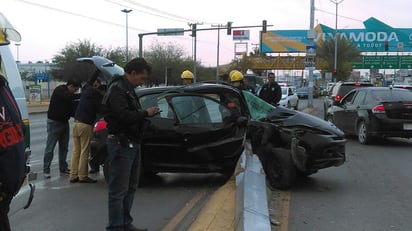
383,126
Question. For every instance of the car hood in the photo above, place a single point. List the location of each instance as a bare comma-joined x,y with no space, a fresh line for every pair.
289,118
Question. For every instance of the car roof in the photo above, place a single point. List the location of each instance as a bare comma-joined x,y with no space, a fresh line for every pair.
192,88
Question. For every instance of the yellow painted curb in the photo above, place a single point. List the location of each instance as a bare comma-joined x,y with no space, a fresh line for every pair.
219,212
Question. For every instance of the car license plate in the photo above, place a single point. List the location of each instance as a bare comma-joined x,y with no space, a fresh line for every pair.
407,126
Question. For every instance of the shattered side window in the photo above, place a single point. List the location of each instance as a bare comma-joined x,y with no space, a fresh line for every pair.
258,108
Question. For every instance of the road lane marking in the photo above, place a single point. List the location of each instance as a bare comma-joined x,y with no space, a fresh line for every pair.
285,197
183,212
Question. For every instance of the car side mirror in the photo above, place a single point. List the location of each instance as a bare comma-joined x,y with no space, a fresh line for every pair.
242,121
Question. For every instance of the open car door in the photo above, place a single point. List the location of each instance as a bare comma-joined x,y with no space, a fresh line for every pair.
193,133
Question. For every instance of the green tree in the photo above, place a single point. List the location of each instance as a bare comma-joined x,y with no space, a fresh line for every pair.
167,56
347,54
68,67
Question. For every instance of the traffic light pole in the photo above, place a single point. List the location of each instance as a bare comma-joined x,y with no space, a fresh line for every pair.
180,31
311,28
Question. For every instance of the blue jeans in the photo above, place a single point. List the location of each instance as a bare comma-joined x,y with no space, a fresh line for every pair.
123,182
56,132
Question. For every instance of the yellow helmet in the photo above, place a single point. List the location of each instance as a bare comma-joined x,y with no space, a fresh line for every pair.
236,76
187,75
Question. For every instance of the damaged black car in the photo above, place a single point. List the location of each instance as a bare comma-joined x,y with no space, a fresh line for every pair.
203,127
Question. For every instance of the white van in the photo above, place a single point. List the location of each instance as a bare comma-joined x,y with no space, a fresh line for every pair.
8,68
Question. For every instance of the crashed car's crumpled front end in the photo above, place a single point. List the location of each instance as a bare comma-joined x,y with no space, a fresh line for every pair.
314,143
290,142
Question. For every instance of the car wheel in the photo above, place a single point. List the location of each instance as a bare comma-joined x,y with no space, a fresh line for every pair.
280,170
363,136
289,105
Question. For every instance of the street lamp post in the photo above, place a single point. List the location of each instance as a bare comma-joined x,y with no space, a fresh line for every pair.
335,62
17,48
218,50
126,11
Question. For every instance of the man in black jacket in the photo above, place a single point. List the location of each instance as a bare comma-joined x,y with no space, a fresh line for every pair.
60,110
271,91
125,121
84,118
12,157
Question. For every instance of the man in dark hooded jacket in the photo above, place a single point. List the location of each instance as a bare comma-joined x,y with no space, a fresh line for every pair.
12,157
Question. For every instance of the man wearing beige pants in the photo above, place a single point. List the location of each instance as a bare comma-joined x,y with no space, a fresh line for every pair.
85,116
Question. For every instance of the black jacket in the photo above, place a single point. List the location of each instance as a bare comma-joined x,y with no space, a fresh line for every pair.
271,93
61,106
122,111
12,156
89,104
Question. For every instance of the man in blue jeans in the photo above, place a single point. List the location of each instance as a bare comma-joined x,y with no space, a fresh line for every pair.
125,122
61,108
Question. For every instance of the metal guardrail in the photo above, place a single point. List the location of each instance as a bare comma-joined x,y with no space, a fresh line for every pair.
252,211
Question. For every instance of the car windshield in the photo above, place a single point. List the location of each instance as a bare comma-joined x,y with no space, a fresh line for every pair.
390,95
258,108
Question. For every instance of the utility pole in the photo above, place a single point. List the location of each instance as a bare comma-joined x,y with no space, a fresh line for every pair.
194,35
311,36
218,50
335,62
126,11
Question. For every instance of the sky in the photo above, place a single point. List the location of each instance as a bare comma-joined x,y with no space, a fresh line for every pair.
47,26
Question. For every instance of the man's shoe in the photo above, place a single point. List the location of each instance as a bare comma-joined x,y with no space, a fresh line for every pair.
131,227
47,175
88,180
93,171
74,180
65,172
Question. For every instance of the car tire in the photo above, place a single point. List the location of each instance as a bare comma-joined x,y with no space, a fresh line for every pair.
280,169
289,105
363,136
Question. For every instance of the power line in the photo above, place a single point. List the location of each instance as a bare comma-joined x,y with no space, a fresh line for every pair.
80,15
146,12
331,13
164,12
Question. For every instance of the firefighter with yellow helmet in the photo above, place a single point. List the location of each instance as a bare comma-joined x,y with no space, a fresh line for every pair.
187,77
236,79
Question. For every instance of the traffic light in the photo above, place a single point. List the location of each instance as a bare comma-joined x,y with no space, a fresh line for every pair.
229,28
194,28
335,72
264,26
386,45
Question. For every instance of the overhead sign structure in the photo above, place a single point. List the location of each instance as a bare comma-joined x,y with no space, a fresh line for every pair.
384,62
170,31
370,39
241,34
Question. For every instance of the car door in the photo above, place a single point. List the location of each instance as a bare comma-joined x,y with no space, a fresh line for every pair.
353,111
343,111
197,130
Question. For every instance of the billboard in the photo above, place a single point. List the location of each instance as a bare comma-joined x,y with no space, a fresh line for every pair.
241,34
370,39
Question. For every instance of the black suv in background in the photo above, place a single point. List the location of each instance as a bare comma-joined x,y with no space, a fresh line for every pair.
339,90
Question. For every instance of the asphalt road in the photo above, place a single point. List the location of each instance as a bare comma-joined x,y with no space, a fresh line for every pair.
166,202
371,191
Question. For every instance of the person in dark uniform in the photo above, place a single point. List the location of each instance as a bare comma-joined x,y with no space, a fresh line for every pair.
61,108
271,91
12,156
125,123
